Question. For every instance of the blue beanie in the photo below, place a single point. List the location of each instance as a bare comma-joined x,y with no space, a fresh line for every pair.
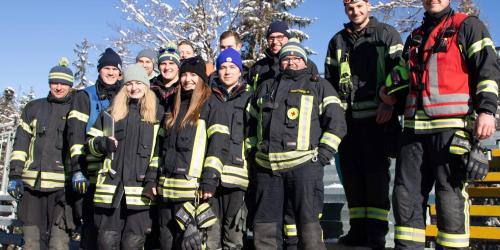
293,48
279,26
169,53
229,55
61,73
109,58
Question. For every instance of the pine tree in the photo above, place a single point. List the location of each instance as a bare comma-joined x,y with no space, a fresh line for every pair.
8,109
82,63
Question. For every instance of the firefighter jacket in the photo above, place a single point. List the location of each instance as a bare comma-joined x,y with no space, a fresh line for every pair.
296,116
78,117
40,152
163,93
453,72
234,173
184,152
123,176
364,58
269,67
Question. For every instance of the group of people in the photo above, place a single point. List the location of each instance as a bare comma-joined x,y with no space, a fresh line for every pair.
167,154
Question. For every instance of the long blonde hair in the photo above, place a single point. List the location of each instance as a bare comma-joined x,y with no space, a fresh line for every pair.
147,103
201,93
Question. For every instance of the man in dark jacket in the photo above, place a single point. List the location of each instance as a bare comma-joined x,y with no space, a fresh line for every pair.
355,65
164,85
85,109
38,165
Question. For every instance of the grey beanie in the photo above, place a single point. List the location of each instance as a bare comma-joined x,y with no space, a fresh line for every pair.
135,72
149,53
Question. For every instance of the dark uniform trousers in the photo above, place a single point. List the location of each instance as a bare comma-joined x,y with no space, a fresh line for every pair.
226,204
278,194
89,229
424,160
39,214
365,171
122,228
170,232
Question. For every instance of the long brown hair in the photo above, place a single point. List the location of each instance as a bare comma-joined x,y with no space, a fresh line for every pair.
119,107
201,93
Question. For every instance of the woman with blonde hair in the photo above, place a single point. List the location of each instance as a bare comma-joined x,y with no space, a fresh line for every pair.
192,138
122,213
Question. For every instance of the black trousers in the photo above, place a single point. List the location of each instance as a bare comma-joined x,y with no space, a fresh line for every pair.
365,171
170,232
295,193
425,161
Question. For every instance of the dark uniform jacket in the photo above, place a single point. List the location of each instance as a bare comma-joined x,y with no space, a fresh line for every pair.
77,122
297,117
234,173
184,152
163,93
370,54
40,152
123,176
269,67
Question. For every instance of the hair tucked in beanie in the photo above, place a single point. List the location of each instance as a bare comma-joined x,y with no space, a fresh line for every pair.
229,55
293,48
109,58
61,73
194,65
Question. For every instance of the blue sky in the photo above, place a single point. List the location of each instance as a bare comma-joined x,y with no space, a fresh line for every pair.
35,34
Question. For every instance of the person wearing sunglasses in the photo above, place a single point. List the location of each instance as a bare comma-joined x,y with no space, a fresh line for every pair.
450,104
165,84
358,60
277,35
297,124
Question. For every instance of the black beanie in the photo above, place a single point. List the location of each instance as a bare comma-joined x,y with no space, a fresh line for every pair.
280,26
195,65
109,58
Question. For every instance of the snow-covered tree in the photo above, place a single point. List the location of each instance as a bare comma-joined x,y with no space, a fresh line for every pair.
25,98
469,7
155,22
82,63
8,108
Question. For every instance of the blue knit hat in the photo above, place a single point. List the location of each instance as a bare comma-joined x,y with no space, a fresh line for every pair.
169,53
109,58
279,26
61,73
293,48
229,55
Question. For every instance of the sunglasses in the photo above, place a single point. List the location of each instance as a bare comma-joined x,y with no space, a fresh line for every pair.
169,50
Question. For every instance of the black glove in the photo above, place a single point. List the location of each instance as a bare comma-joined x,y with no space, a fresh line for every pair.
192,238
105,145
322,158
148,190
476,163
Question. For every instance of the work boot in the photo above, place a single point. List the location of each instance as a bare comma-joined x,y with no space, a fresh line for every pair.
108,240
356,235
310,236
266,236
59,239
31,235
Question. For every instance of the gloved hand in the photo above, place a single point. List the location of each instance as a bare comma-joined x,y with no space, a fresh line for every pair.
79,182
15,188
345,85
322,158
476,163
192,238
240,220
149,190
105,145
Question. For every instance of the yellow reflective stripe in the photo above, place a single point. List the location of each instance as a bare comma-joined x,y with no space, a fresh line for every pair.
105,188
138,200
217,128
306,106
60,75
214,162
331,140
133,190
199,147
357,212
179,183
26,127
92,149
243,182
251,111
377,213
103,198
435,123
364,109
30,174
51,184
395,48
154,162
75,150
18,155
452,240
394,90
156,127
458,150
283,156
409,234
31,148
95,132
327,101
329,61
487,86
275,166
78,115
479,45
52,176
290,230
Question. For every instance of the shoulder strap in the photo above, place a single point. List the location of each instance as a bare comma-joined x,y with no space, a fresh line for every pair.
96,105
